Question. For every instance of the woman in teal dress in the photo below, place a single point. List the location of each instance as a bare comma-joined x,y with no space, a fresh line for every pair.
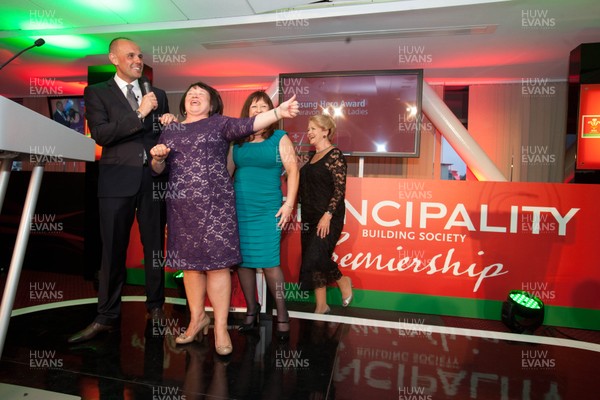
259,161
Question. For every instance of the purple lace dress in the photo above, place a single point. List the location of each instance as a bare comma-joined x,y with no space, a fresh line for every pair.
201,217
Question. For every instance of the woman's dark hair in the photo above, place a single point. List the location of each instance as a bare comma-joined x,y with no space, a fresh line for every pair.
256,96
216,103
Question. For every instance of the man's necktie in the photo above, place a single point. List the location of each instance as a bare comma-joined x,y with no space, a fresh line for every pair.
134,104
131,97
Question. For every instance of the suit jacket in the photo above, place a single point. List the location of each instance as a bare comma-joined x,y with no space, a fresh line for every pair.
60,118
123,137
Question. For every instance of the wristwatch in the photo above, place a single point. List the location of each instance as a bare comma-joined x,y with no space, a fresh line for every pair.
139,114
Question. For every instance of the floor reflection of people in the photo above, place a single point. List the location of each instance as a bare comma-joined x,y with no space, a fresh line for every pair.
287,370
103,361
317,344
275,375
154,359
249,376
258,374
198,382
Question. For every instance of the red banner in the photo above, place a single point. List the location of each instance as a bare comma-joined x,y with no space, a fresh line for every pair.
588,138
470,240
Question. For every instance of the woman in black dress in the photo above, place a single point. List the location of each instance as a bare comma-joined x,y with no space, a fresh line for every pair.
322,191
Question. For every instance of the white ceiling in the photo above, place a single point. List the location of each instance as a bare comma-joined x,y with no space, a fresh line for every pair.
247,43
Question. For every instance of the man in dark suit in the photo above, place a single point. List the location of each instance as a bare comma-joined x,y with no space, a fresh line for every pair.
126,129
60,116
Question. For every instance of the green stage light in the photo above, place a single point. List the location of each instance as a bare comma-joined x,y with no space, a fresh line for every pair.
522,312
178,279
526,300
178,275
61,47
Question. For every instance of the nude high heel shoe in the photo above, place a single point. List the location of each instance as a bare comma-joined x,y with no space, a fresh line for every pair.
224,350
184,338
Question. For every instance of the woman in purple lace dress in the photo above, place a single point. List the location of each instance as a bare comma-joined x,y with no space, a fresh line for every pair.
201,218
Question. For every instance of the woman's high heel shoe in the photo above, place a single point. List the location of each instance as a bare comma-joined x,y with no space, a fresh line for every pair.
184,338
346,302
224,350
244,328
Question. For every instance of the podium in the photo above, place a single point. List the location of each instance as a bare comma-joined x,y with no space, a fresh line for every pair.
25,134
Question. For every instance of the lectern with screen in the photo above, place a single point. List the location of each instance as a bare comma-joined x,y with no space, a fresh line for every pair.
25,134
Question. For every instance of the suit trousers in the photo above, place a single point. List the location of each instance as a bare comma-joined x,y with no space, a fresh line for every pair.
116,220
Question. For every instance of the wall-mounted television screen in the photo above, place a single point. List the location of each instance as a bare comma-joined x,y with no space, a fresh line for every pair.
377,113
68,111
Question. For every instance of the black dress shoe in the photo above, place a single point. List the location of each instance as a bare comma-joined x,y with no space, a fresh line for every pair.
91,331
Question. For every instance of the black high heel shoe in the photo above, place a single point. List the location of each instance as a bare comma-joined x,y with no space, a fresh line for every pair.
249,327
283,336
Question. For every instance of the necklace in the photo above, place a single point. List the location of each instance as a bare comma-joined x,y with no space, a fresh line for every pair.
326,148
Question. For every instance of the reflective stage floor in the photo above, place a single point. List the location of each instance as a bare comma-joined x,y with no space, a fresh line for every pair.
352,353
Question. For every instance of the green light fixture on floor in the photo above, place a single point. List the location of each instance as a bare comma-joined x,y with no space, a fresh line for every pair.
522,312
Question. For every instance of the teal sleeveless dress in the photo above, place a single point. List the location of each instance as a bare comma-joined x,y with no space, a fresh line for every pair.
257,184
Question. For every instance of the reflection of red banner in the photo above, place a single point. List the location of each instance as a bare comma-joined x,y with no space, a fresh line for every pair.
418,364
588,138
467,240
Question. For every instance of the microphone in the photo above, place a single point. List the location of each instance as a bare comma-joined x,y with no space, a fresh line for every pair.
37,43
145,85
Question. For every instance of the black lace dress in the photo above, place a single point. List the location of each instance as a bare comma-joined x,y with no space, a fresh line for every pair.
322,189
